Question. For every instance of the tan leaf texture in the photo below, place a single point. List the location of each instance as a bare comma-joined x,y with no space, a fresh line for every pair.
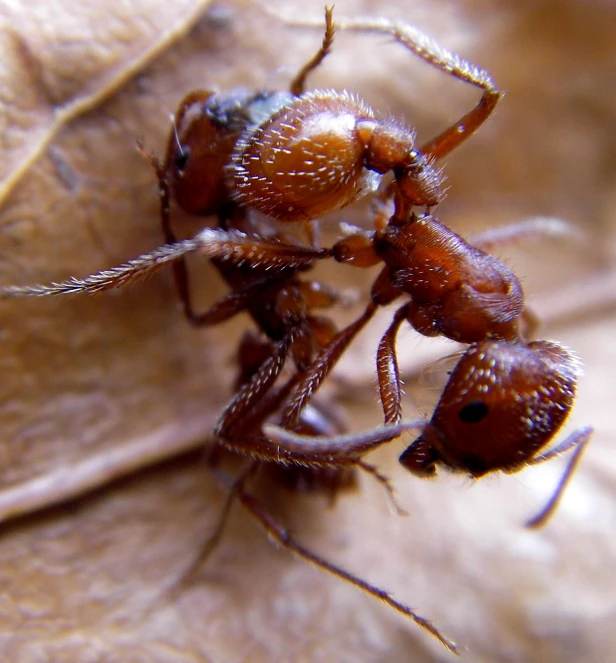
106,402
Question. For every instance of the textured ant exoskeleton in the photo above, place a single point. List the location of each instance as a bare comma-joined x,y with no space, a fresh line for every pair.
295,156
505,400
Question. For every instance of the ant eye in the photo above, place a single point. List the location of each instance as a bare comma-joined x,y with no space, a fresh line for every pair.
473,412
181,158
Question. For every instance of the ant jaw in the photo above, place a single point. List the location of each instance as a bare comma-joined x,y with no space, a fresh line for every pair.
421,458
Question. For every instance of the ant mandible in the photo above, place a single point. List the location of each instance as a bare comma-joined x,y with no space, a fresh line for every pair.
296,156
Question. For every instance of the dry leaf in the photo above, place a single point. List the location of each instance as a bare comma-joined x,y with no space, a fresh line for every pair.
121,376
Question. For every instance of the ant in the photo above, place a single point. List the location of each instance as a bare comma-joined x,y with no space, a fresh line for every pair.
506,398
295,156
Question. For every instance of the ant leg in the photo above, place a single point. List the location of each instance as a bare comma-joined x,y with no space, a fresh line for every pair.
284,539
129,272
249,394
299,82
282,445
334,450
386,484
311,379
180,269
539,227
578,441
230,246
466,126
212,541
322,365
431,52
229,305
388,371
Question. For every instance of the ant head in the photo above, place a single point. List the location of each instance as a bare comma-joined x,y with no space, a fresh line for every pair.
501,405
199,146
421,458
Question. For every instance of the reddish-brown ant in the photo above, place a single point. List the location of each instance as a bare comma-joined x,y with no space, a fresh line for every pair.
504,401
294,157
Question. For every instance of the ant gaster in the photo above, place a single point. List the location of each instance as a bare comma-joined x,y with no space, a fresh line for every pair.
296,156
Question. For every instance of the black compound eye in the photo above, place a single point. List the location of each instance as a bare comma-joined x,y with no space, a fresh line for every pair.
181,158
473,412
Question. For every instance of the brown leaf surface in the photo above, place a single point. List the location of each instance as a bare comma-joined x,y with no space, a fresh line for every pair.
122,376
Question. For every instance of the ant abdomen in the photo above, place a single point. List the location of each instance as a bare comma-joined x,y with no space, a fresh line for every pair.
502,404
306,159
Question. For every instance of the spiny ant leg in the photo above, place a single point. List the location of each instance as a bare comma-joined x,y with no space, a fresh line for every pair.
414,40
299,82
260,253
431,52
460,68
284,539
131,271
388,371
577,441
249,394
234,247
325,361
346,449
465,127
